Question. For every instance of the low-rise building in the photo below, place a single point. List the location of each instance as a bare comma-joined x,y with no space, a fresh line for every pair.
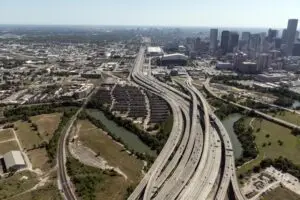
247,67
14,160
154,51
224,66
83,91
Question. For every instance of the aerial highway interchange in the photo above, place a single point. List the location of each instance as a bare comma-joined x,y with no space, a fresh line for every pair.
197,161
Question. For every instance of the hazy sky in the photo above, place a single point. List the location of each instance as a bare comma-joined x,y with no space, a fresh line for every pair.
211,13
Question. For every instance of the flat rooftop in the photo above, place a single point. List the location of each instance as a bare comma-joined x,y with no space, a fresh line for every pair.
154,50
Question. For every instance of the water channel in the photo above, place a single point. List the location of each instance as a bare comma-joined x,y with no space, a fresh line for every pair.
228,124
129,138
135,143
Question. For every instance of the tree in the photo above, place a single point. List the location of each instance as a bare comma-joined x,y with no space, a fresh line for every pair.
266,163
270,143
296,131
256,169
241,176
267,135
280,142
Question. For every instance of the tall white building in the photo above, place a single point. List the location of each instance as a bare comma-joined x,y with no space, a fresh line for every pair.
291,34
213,45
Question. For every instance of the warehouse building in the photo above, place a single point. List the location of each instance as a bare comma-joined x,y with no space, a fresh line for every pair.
14,160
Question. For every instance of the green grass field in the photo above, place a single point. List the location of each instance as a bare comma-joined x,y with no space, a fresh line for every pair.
39,159
47,124
6,134
93,183
115,155
17,183
281,193
8,146
290,148
27,136
47,192
288,116
112,188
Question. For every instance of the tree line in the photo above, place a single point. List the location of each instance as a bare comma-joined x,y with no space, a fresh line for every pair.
51,146
247,139
15,113
223,109
283,164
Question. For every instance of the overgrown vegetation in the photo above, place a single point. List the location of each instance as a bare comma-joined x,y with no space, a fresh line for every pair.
284,101
51,146
247,139
24,112
255,105
283,164
223,109
86,178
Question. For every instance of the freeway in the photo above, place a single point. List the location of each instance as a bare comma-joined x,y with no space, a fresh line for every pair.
189,161
197,160
63,179
175,134
208,157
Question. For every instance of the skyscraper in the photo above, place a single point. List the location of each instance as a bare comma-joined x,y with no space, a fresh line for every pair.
225,41
297,36
233,41
284,36
213,44
197,45
272,34
278,42
296,49
244,41
291,34
246,36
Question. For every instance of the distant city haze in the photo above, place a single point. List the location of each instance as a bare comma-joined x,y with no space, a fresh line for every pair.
200,13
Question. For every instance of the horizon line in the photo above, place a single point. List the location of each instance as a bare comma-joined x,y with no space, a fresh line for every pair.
136,25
